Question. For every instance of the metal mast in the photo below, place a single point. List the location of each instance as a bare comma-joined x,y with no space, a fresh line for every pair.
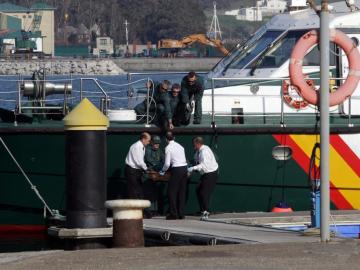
127,36
214,30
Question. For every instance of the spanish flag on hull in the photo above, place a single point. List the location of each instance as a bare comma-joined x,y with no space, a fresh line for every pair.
344,164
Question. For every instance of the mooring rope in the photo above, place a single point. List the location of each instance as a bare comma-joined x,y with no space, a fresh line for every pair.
33,187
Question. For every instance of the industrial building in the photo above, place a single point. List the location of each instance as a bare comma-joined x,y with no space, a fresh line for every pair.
26,29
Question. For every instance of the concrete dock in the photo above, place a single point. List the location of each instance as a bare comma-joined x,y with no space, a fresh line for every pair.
343,254
260,247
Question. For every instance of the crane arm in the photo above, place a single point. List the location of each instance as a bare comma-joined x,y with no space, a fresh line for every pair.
188,40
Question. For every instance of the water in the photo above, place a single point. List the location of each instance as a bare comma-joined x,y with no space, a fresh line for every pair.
340,230
117,87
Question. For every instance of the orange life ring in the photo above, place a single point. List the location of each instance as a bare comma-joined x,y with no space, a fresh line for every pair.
297,77
289,99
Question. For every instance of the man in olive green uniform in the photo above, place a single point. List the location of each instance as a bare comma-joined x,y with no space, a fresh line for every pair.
174,102
154,156
154,160
192,87
163,109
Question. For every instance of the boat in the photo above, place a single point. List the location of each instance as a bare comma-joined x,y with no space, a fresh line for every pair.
263,132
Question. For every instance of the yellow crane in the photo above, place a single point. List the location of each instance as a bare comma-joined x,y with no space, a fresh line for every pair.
188,40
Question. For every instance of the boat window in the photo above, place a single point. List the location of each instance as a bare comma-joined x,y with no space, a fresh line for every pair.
247,56
235,52
313,57
281,51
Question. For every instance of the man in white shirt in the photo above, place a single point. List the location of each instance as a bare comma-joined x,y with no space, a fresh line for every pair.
135,166
208,168
175,160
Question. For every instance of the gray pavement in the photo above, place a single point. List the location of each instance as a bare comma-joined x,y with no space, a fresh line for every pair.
340,254
261,248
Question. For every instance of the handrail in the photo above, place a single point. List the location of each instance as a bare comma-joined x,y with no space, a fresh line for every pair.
250,81
101,89
212,103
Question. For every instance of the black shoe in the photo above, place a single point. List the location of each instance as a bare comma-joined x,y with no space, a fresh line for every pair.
181,217
196,122
171,217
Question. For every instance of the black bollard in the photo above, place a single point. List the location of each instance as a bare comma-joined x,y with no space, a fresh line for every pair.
86,159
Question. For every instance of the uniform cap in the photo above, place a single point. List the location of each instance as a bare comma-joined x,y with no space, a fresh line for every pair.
156,139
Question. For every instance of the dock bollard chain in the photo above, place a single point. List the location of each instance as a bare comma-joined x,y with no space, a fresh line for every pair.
128,222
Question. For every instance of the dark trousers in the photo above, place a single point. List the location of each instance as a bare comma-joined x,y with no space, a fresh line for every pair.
177,191
181,115
205,189
198,106
134,183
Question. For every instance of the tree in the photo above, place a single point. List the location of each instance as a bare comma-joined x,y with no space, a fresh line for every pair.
149,20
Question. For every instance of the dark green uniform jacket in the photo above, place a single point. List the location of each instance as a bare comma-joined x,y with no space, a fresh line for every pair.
154,159
162,104
196,90
174,101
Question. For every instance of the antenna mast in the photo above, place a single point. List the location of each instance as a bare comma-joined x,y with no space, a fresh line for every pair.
127,36
214,30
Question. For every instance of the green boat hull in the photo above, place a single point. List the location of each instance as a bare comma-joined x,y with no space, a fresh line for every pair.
250,178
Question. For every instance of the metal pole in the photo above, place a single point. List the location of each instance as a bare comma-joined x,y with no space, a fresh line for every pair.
129,89
81,89
127,37
19,94
349,113
324,123
148,103
282,106
212,103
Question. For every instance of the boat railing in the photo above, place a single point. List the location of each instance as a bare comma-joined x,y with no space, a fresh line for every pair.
282,114
104,102
270,106
114,99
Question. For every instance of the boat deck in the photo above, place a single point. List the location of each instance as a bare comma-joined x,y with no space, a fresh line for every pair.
261,124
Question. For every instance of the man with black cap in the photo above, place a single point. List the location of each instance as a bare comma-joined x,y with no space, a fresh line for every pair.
175,160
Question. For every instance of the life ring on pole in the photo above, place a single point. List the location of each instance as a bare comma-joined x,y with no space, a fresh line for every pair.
297,77
291,95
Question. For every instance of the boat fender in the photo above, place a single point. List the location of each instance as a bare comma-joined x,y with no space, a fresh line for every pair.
298,103
281,207
297,78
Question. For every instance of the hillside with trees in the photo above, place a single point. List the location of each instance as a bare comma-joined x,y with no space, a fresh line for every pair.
149,20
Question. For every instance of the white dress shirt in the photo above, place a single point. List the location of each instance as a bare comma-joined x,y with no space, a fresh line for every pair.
205,159
174,156
135,157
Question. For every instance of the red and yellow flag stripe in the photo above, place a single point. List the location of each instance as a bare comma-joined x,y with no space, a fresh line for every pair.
344,166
